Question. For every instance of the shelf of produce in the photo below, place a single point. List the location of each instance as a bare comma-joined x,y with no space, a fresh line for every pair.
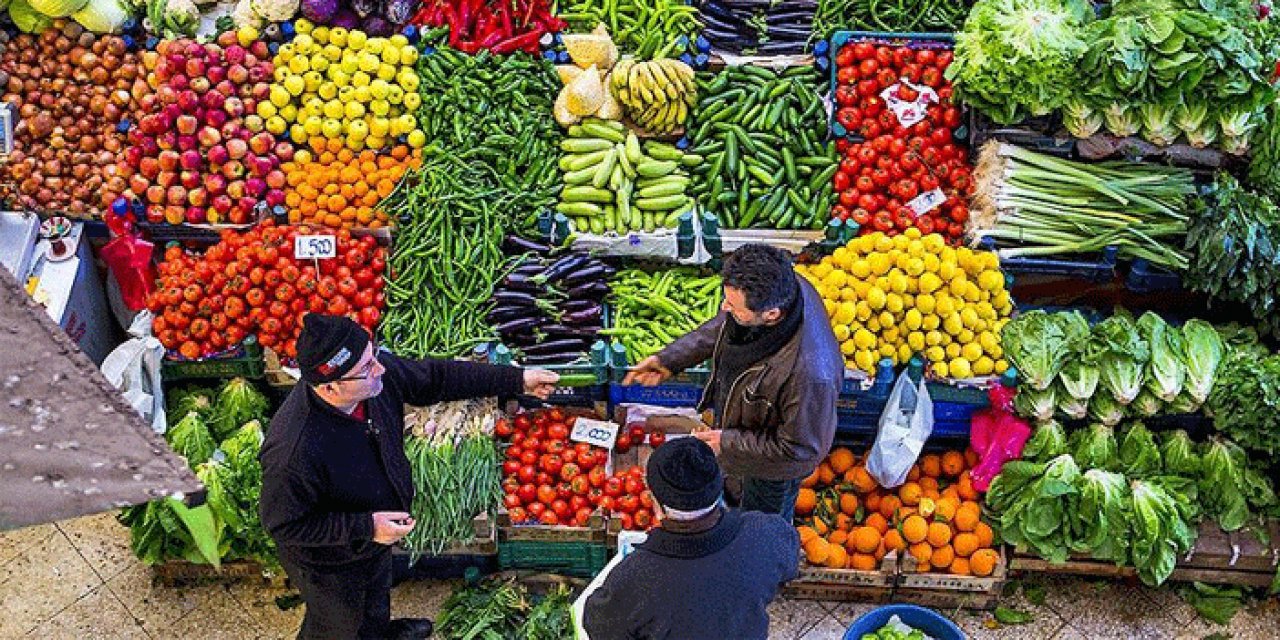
912,40
245,361
179,573
947,591
845,585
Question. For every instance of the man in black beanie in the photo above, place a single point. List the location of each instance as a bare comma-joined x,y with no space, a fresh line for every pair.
336,485
706,571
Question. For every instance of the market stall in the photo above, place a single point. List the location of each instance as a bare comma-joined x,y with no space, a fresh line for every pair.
1054,222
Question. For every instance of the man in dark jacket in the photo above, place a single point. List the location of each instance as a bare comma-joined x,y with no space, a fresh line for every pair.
706,572
776,371
336,486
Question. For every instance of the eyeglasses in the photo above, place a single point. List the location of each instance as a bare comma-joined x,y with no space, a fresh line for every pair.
364,371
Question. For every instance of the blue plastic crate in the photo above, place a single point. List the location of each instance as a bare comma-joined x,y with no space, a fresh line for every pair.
913,40
1147,278
1101,268
664,395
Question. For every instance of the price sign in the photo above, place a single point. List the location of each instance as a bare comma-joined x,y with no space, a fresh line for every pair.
315,247
909,112
594,432
927,201
8,120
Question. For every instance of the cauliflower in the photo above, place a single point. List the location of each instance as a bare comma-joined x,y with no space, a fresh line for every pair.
245,16
275,10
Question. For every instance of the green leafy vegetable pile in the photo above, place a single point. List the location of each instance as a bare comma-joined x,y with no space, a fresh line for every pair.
225,459
503,610
1245,403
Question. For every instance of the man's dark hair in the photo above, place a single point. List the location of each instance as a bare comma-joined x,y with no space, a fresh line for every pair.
764,274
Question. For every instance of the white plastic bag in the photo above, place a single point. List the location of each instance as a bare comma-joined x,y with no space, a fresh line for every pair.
134,368
905,424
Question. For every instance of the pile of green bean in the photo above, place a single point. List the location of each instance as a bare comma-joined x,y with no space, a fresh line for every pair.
494,113
451,217
453,483
651,310
763,137
647,28
900,16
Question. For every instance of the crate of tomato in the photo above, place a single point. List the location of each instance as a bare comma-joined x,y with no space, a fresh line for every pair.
899,135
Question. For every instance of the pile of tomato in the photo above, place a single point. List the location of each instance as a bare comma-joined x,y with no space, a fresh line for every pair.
251,284
549,480
892,164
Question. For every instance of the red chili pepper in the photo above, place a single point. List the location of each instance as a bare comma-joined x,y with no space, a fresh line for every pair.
518,43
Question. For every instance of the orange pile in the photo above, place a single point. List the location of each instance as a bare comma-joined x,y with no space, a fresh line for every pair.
334,186
847,521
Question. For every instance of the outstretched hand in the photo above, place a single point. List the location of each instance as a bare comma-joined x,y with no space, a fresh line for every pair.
540,383
650,372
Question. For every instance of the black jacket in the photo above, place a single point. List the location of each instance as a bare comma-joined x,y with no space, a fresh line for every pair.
324,473
716,584
779,418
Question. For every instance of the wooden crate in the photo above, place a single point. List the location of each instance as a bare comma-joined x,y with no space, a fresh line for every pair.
179,573
845,585
946,591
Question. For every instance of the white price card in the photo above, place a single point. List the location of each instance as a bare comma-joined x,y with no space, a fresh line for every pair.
315,247
927,201
594,432
909,112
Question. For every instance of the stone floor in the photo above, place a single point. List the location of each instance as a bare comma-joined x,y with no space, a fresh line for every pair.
77,579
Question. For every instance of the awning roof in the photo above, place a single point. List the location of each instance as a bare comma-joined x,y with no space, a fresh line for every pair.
69,443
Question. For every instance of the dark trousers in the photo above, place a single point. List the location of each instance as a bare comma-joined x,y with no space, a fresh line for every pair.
351,602
767,496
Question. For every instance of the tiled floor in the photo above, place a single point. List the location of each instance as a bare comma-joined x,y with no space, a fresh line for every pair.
78,579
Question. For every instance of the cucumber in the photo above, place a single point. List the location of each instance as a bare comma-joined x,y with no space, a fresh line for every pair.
662,189
655,168
601,131
584,145
605,169
664,203
662,151
586,194
581,161
581,209
624,160
691,160
580,177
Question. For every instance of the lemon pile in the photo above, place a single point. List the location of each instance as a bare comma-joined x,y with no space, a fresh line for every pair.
340,83
894,297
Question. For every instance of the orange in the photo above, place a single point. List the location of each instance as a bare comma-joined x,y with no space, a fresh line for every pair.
914,473
877,522
893,540
817,551
862,481
334,145
983,562
952,463
939,534
806,502
820,526
840,460
849,503
866,539
889,505
965,487
881,551
928,484
904,512
843,521
921,551
942,557
945,509
838,559
965,519
811,481
965,544
986,537
826,475
952,491
971,459
915,529
806,534
910,493
862,562
872,501
385,187
960,567
838,537
931,465
400,152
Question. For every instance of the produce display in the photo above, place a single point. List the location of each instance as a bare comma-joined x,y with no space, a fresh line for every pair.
1243,403
251,284
1047,206
762,135
908,170
847,521
455,471
895,297
647,29
504,609
651,310
335,83
69,91
655,94
909,16
497,25
550,309
614,183
748,27
378,18
219,433
342,189
1118,368
200,154
550,480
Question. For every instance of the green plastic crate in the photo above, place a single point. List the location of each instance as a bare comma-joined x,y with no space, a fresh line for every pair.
578,559
247,364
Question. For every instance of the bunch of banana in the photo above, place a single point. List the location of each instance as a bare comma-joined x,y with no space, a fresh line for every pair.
655,94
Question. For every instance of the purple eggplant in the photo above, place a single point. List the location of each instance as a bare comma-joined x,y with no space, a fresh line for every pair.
593,272
505,313
519,282
515,298
516,244
562,267
593,290
562,345
561,331
518,325
583,317
574,306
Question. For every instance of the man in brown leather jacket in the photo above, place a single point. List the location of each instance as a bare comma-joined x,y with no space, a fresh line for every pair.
776,373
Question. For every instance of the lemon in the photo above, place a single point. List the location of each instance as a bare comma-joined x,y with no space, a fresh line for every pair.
1000,300
395,95
279,96
890,335
338,36
934,243
988,341
849,293
959,368
349,65
375,45
379,107
299,64
361,79
900,242
407,123
953,324
376,143
968,317
354,110
368,62
933,337
408,54
386,72
886,319
996,352
990,280
302,156
860,269
326,91
881,283
391,55
935,354
926,303
289,113
313,80
953,350
312,125
845,313
887,351
876,298
379,127
913,319
894,303
333,109
928,283
864,339
331,128
883,243
247,35
297,134
835,279
943,306
841,331
971,351
983,366
284,54
320,34
864,311
912,233
295,85
356,39
847,348
939,369
266,109
916,341
1001,367
930,322
865,360
276,125
357,129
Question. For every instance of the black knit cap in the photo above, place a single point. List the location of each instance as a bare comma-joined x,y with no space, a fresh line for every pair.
684,475
329,347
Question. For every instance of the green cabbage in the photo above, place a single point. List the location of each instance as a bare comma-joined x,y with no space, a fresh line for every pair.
27,19
1184,403
1180,454
1121,120
1047,441
1105,409
238,402
1124,356
1139,455
1166,370
1034,405
1079,375
1014,478
1202,352
1081,120
1038,343
1222,484
1160,534
102,16
1095,447
190,439
1101,520
244,443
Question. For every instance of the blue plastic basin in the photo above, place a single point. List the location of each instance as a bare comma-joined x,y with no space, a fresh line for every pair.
927,620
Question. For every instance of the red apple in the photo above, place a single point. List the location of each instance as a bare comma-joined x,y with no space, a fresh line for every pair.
218,155
236,189
222,204
169,160
233,170
189,179
209,136
149,168
215,184
238,74
167,179
155,194
237,148
275,197
198,198
261,143
195,215
176,195
187,125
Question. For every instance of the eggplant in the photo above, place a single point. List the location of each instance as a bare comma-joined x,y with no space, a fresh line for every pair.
499,315
520,282
559,330
516,244
582,317
518,325
597,273
529,270
515,298
574,306
555,358
562,267
588,290
562,345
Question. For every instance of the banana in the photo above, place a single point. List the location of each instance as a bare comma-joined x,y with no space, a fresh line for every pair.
662,82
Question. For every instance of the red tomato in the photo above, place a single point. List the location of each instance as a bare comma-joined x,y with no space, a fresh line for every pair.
549,518
526,473
646,499
518,515
643,520
846,56
613,487
546,494
511,501
580,485
632,486
529,457
554,446
557,431
564,491
528,493
863,50
522,422
510,485
536,509
582,517
502,428
597,477
570,471
561,509
622,444
510,467
628,504
551,464
657,437
627,521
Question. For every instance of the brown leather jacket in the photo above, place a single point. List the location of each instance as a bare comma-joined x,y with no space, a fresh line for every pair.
780,416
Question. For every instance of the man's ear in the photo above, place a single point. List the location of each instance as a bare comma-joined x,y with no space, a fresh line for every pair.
771,316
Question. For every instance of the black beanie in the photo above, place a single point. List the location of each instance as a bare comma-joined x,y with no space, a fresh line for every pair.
684,475
329,347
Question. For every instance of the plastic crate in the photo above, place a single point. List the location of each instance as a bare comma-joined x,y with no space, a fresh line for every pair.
245,361
912,40
1100,268
1147,278
579,559
683,390
864,426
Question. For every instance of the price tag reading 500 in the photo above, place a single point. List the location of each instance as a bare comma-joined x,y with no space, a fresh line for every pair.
594,432
315,247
